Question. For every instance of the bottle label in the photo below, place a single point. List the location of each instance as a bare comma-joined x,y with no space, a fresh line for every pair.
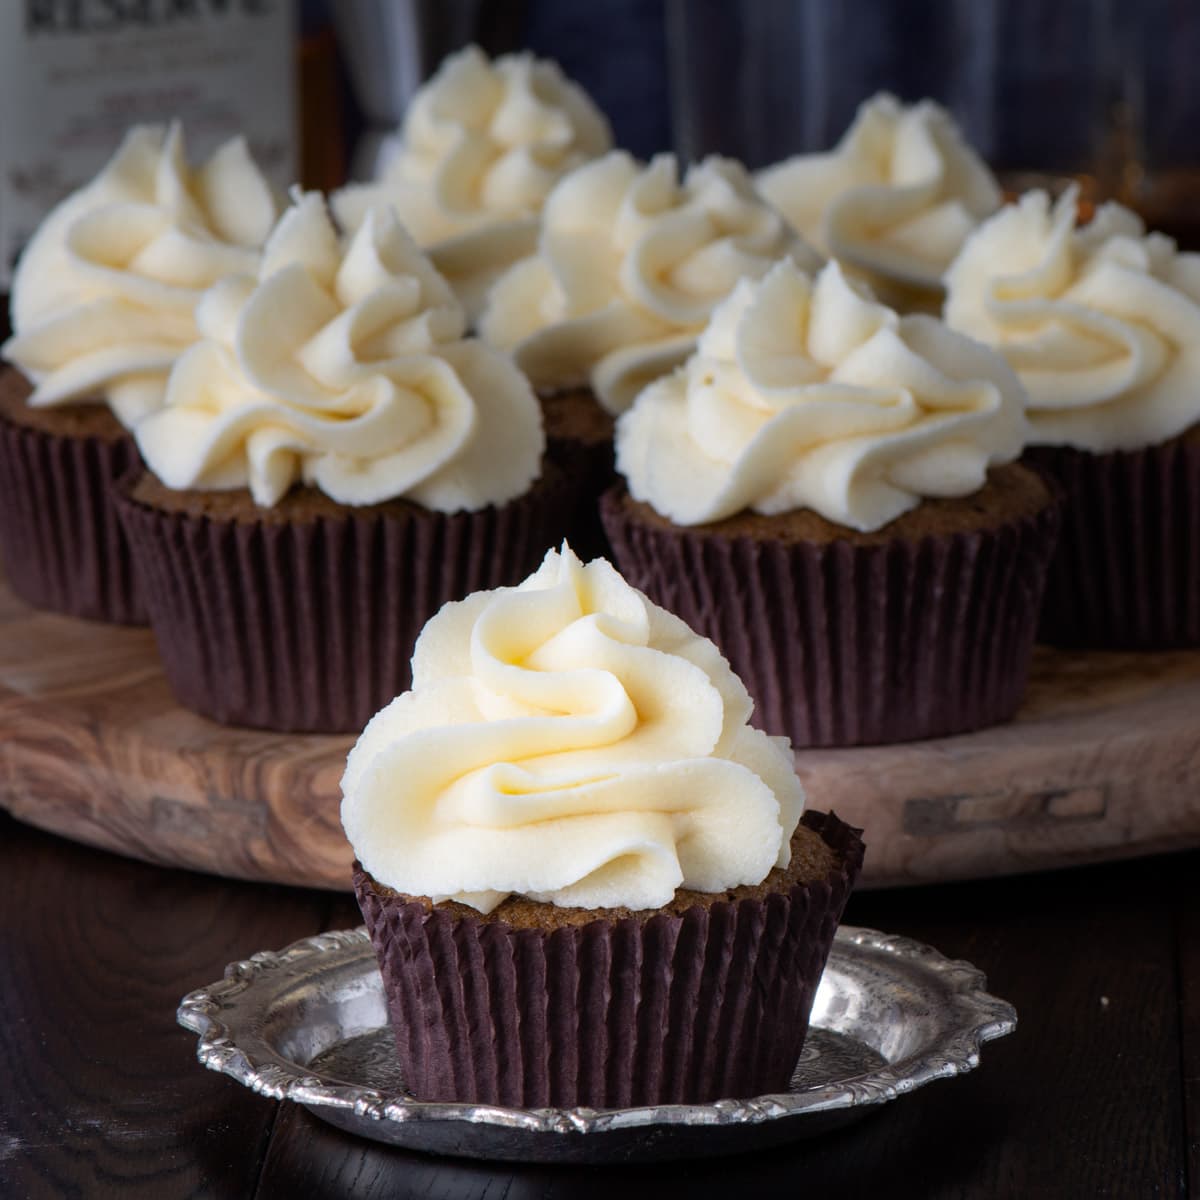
76,74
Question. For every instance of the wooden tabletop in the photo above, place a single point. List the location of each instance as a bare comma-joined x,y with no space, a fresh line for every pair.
1099,763
1097,1093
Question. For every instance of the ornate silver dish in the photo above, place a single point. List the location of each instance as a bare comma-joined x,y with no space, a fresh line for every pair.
309,1024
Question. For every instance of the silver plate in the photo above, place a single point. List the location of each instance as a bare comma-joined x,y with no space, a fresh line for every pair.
309,1024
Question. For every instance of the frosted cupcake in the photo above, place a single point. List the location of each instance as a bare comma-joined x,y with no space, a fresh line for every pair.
894,200
631,262
827,489
587,879
333,462
103,304
1101,322
483,144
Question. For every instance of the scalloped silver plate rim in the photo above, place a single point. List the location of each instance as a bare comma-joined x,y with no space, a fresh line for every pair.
249,1059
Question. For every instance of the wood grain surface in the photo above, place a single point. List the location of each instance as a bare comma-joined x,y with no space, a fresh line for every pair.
1103,761
1185,903
103,1096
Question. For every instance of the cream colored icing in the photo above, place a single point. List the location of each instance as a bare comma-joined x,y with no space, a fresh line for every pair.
895,199
483,143
808,394
569,741
342,364
630,265
1101,322
104,296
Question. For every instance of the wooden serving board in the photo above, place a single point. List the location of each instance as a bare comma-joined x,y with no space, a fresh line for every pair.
1103,761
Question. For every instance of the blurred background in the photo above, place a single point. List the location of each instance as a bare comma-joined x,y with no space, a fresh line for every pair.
1103,91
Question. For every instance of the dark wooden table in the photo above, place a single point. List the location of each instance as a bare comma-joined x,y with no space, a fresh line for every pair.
1097,1094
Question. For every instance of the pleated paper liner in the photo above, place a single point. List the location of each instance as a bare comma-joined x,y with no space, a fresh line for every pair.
307,626
651,1008
60,539
579,439
1126,574
844,644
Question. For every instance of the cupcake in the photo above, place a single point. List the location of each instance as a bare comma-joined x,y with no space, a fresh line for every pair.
894,200
483,143
631,263
586,877
827,490
102,306
333,462
1101,322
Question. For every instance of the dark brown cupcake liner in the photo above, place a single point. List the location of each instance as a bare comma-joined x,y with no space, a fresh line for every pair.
1126,574
308,626
711,1003
845,644
60,539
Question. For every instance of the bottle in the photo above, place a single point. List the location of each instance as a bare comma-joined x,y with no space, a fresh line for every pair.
76,74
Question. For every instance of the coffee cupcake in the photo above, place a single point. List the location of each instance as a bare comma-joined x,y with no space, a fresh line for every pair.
631,262
827,490
334,461
483,144
586,877
893,201
102,306
1101,322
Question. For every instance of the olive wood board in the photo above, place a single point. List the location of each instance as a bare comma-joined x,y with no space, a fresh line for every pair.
1102,761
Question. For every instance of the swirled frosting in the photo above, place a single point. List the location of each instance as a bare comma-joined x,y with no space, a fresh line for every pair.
482,145
104,296
342,364
809,394
569,741
630,265
1101,322
896,197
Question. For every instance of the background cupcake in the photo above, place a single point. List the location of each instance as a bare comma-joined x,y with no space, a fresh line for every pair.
333,462
102,306
631,262
894,200
1102,325
585,876
483,144
822,490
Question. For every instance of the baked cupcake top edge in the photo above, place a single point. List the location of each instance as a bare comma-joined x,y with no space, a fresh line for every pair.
568,741
1101,321
806,393
632,259
895,199
340,362
104,295
483,143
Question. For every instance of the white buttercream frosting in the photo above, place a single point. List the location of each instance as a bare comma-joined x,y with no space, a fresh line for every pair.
483,143
630,265
342,364
895,199
569,741
1101,321
104,296
808,394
